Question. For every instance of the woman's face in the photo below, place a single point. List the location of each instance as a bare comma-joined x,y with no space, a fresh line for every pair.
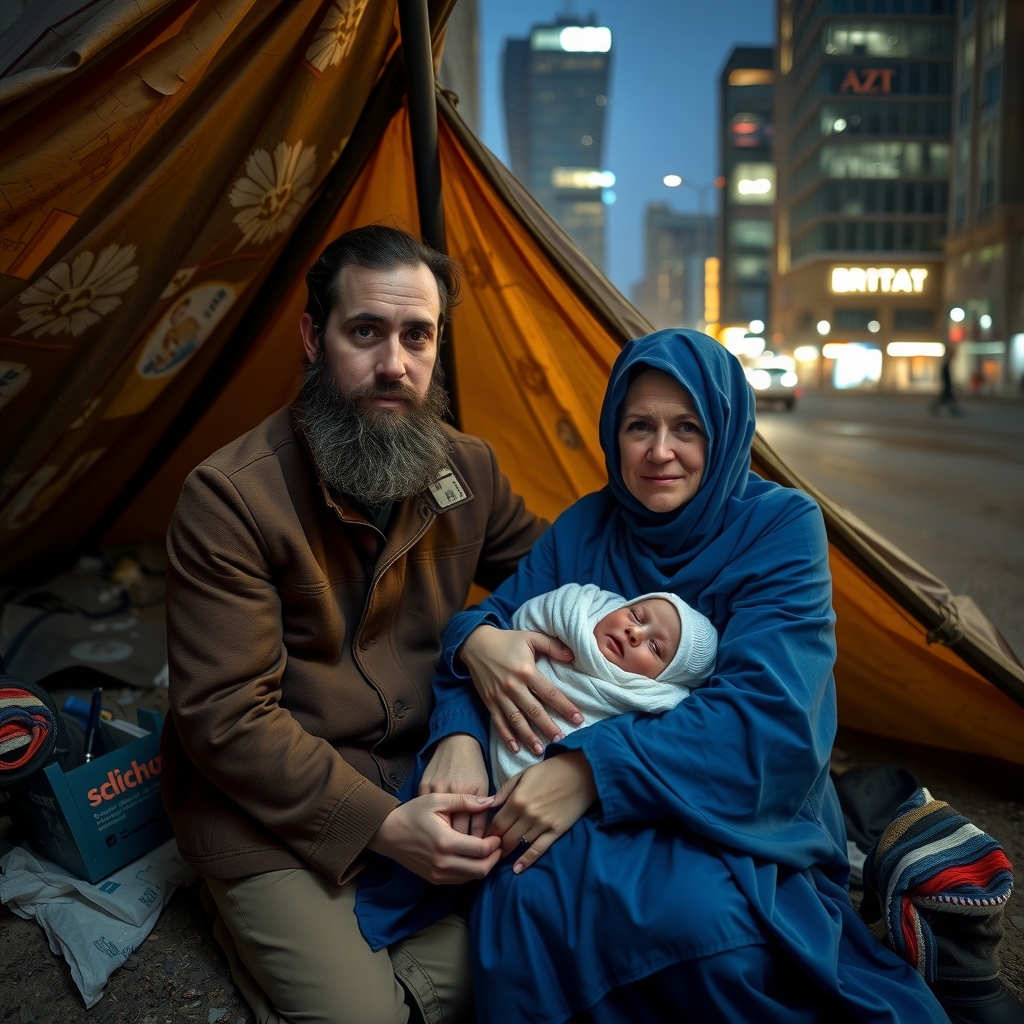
662,444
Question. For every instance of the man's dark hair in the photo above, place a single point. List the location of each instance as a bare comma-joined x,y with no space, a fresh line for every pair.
376,247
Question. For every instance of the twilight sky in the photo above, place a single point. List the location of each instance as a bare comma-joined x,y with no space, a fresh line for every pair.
666,58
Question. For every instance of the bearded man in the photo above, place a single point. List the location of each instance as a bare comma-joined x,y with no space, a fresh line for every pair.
313,565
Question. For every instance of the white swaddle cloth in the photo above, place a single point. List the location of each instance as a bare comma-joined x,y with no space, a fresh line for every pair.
597,687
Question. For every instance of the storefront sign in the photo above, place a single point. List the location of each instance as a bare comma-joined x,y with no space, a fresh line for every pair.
878,279
873,80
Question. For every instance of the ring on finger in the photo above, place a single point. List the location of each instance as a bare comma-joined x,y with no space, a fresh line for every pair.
522,843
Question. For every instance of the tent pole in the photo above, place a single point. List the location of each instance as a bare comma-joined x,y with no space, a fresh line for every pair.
414,21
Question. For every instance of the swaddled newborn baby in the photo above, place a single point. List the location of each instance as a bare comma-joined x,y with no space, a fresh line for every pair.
640,655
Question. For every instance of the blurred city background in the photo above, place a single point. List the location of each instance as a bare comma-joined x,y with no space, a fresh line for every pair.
832,188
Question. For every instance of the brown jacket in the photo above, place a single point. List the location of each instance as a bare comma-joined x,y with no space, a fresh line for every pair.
302,646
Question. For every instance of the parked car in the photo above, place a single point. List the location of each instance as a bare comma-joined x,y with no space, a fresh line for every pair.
774,384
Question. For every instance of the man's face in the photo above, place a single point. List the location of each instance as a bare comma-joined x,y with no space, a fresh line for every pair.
381,334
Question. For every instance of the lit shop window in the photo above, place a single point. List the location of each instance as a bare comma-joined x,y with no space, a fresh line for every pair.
854,363
914,349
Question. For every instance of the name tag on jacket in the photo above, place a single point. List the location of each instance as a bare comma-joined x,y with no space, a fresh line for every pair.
449,490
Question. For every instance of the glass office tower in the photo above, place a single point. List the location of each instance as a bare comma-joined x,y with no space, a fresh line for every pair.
863,112
746,133
556,96
676,245
985,250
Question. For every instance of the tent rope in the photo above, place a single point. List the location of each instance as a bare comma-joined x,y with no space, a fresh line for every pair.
950,630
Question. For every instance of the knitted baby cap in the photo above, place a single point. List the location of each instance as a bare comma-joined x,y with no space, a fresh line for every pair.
698,643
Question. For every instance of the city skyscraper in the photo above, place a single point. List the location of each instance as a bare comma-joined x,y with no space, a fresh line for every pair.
862,157
556,96
985,250
746,133
671,292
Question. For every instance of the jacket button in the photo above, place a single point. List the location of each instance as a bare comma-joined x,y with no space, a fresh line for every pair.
393,779
400,708
366,643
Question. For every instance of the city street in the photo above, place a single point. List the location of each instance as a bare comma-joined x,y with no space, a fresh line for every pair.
949,491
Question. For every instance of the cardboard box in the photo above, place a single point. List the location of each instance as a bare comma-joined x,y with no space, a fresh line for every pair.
104,814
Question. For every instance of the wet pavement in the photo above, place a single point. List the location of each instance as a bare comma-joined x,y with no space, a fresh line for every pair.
948,490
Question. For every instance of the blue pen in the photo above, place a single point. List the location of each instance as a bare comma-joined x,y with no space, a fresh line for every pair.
94,721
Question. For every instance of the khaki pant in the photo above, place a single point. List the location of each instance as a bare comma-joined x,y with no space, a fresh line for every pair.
297,954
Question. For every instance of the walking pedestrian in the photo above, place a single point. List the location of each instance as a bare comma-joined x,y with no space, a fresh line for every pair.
946,396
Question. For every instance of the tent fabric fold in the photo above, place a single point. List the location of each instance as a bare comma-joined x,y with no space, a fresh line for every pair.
176,182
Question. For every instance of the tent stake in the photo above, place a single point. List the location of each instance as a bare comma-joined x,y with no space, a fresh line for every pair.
414,22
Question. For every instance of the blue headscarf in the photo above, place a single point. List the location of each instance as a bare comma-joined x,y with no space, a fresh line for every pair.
685,550
725,406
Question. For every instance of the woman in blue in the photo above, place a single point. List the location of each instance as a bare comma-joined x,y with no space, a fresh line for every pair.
707,882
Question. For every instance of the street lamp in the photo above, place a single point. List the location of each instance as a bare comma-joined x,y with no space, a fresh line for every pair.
956,314
824,327
984,321
756,326
674,181
874,326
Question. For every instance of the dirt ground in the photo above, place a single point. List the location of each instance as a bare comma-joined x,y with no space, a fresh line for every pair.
180,974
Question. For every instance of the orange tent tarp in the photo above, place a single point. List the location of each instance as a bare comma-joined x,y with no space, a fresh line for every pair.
97,443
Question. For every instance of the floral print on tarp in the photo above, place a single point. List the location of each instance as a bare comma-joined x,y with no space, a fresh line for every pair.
71,297
273,192
336,33
223,181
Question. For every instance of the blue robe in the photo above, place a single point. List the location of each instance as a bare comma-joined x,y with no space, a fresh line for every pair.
717,848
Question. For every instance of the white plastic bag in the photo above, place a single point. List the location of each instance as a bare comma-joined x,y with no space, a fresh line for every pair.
95,927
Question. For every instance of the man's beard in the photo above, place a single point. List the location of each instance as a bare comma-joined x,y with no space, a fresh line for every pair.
374,455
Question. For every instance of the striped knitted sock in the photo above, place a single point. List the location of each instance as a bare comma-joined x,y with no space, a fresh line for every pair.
28,729
941,884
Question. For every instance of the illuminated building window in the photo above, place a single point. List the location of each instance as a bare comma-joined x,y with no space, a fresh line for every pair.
750,268
753,184
887,39
751,76
751,234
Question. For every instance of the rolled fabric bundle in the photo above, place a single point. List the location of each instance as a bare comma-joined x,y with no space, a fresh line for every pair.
28,729
941,885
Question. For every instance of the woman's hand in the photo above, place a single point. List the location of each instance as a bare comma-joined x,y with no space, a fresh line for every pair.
458,767
541,804
503,664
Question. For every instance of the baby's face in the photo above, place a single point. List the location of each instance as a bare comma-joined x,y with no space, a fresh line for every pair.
640,638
